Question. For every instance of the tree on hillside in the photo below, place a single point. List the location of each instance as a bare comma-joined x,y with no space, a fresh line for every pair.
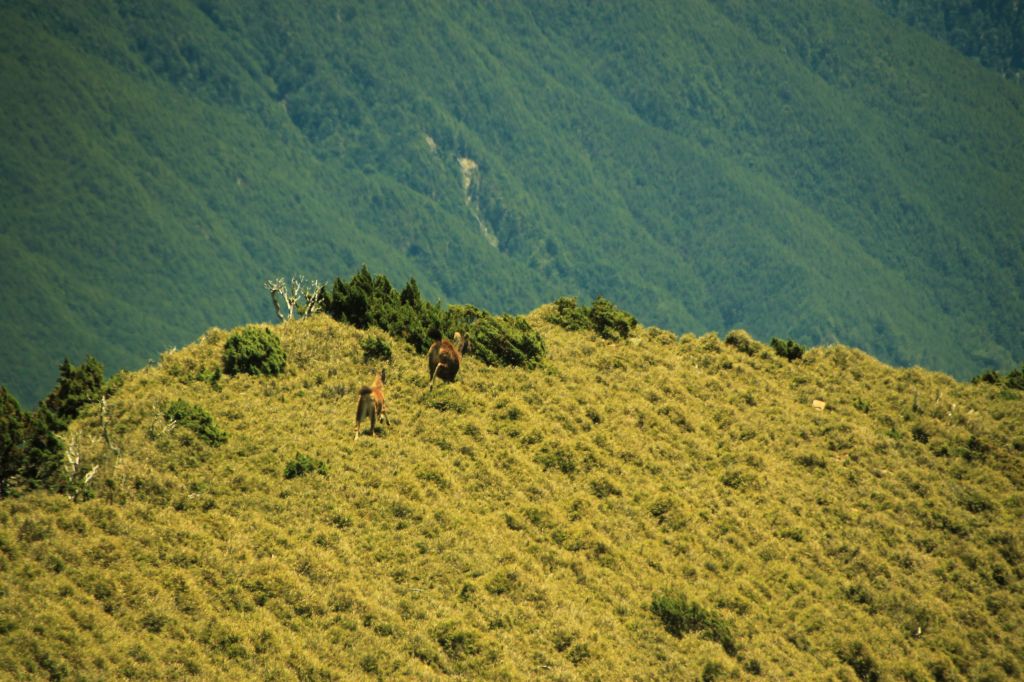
42,453
12,433
302,297
76,386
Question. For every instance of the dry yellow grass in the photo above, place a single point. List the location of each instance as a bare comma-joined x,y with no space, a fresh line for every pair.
518,524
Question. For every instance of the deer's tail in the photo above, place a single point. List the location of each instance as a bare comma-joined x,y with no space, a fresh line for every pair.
364,408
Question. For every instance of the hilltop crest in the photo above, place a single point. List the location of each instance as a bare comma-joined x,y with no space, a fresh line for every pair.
660,506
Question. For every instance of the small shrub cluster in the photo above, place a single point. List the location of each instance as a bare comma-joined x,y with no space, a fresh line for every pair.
456,641
858,656
789,349
743,342
602,316
365,300
375,348
302,465
610,321
197,420
557,458
679,616
446,400
505,341
1014,378
253,350
570,316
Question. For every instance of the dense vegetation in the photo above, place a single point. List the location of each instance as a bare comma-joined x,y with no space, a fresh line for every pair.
656,506
990,30
801,170
368,301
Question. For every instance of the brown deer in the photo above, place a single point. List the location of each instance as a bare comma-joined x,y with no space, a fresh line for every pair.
444,358
371,404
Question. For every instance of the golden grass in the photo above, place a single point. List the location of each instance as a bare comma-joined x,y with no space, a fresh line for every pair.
518,524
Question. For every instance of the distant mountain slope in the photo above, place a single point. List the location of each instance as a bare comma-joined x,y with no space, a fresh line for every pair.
806,171
655,508
992,32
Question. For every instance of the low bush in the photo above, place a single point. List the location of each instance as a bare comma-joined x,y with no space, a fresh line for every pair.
1014,378
456,641
506,340
680,616
302,465
743,342
789,349
446,400
602,316
604,487
375,348
253,350
197,420
569,315
609,321
858,656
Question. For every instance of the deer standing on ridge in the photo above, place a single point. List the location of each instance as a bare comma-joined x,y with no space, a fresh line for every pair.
371,404
444,358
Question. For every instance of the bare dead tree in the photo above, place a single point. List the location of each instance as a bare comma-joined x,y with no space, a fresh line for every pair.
300,296
76,478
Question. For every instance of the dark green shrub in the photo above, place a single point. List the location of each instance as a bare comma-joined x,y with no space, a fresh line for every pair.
679,616
742,341
42,453
12,434
569,315
660,507
603,487
987,377
457,642
578,653
713,670
859,657
77,386
366,301
302,465
602,316
735,479
609,321
975,502
197,420
789,349
505,340
1015,379
375,348
32,451
920,434
811,460
253,350
502,582
558,458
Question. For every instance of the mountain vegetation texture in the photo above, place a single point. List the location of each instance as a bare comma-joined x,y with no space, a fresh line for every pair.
637,506
992,31
816,172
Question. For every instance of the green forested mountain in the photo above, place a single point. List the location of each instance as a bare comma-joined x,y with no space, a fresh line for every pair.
991,31
808,171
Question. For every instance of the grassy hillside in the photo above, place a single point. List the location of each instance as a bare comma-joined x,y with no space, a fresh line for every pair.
808,171
659,507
